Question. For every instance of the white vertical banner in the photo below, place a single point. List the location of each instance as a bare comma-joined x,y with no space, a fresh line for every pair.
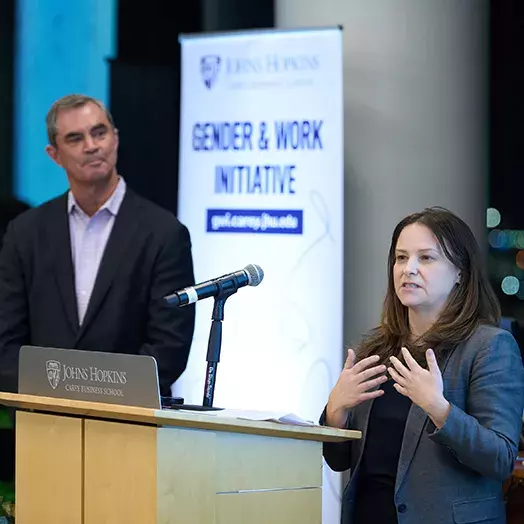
261,182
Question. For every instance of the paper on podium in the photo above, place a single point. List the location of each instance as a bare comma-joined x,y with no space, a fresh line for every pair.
282,417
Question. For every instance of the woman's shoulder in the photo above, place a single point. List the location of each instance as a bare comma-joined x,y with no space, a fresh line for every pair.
488,337
488,332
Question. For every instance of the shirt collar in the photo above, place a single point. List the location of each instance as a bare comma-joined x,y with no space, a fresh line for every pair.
112,204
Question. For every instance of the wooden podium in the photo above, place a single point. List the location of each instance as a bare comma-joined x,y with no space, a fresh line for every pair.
81,462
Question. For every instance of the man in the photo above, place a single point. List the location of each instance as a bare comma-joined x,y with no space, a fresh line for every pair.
10,208
88,270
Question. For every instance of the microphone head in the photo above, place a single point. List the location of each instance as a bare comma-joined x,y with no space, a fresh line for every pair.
254,274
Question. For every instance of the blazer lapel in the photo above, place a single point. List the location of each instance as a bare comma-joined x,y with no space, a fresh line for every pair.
60,246
364,411
124,229
414,425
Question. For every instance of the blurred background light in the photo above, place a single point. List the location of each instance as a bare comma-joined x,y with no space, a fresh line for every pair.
510,285
493,217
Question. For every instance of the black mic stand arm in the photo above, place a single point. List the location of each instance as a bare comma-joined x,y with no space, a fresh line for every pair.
215,341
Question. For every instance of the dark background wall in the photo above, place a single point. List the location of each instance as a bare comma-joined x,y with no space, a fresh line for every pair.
7,26
145,82
507,111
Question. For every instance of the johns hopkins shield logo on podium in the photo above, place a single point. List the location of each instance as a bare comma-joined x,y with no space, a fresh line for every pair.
53,372
209,69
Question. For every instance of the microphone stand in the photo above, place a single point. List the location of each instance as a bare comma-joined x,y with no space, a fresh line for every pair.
213,355
215,342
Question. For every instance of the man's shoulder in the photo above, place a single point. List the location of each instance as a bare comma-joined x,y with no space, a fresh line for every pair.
152,214
36,216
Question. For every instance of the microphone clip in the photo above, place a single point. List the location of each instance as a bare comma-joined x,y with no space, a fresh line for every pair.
221,297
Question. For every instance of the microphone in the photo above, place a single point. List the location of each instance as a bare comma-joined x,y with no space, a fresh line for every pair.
251,275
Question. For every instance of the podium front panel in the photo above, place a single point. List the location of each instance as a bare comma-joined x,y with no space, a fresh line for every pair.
270,507
120,473
49,456
256,462
207,477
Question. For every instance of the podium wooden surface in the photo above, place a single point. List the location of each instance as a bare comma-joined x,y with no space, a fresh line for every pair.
83,462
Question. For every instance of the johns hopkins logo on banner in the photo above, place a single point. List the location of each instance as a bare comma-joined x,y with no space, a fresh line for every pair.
209,69
53,372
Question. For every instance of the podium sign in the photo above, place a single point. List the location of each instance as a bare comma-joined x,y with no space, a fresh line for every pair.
113,378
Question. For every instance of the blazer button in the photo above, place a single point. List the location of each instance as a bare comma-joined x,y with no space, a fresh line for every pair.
402,508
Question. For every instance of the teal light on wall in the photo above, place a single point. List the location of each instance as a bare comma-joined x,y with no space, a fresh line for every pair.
62,47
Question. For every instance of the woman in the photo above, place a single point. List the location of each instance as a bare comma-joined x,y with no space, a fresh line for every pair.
437,389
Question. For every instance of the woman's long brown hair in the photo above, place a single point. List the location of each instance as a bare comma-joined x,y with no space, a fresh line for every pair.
471,302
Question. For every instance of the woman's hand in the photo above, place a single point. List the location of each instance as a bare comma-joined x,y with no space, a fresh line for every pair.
423,386
353,387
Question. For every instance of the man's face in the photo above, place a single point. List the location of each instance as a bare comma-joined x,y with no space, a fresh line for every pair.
86,145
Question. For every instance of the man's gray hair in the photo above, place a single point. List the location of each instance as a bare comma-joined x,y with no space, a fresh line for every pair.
71,102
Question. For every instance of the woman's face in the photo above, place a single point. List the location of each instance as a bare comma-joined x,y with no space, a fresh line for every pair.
423,277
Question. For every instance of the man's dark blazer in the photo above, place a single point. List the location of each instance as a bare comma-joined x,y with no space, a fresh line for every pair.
148,256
